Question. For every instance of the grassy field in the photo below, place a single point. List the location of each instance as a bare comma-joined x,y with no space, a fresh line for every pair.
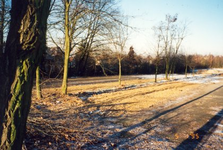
103,115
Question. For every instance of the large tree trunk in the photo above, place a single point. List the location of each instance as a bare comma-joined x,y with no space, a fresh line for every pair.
24,48
67,47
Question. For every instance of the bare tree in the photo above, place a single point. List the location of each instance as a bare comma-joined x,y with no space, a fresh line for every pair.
84,25
158,49
64,28
171,39
38,77
168,33
67,4
180,34
118,39
100,17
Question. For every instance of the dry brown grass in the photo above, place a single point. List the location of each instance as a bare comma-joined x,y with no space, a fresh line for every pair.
145,97
60,119
99,86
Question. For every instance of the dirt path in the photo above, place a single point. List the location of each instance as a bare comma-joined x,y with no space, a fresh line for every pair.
172,115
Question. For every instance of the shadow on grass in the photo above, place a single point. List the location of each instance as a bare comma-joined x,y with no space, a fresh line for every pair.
126,130
83,129
167,111
203,133
66,128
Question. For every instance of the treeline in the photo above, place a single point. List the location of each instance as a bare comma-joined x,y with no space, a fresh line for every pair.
106,63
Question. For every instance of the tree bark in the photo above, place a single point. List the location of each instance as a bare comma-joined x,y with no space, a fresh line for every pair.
24,48
38,87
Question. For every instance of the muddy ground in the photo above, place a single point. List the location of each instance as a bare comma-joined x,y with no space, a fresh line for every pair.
140,114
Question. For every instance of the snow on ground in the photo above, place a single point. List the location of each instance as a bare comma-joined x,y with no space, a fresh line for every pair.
107,117
205,76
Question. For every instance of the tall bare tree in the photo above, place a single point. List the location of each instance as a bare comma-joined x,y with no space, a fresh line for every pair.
118,39
67,4
65,26
85,26
171,39
101,16
38,77
24,48
180,34
158,49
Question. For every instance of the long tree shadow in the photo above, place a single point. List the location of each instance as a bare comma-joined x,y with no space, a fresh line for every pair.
126,130
167,111
60,127
203,133
86,95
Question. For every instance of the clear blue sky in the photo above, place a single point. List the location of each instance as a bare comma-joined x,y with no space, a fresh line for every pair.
205,28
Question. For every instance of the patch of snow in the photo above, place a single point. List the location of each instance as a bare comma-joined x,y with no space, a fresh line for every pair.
111,119
83,98
218,131
220,125
196,78
58,102
208,76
